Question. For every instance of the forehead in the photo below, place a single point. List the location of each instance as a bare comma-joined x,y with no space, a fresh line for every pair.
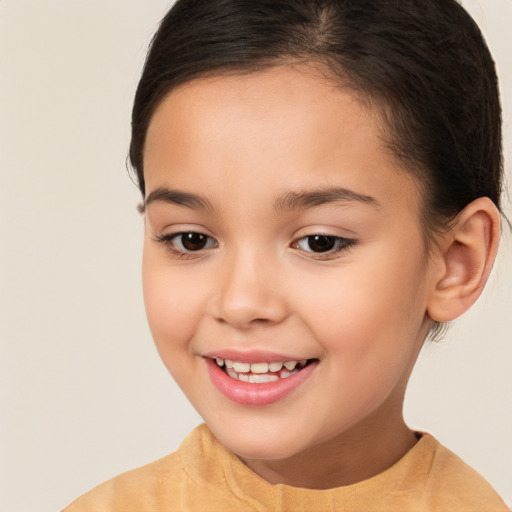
292,102
287,126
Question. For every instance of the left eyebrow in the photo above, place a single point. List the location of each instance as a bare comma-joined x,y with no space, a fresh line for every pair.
176,197
303,200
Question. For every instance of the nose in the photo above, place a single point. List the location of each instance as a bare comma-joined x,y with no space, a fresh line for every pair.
248,292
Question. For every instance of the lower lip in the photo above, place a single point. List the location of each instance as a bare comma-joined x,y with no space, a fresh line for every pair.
245,393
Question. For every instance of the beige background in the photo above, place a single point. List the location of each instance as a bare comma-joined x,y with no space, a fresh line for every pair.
83,395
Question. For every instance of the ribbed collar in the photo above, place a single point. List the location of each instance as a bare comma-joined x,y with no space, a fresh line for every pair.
390,490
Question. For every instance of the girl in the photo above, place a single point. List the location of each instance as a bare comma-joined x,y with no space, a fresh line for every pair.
321,189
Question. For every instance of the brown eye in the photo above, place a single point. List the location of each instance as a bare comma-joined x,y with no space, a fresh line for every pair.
321,243
187,244
193,241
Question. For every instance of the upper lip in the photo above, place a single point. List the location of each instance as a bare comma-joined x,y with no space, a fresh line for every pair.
253,356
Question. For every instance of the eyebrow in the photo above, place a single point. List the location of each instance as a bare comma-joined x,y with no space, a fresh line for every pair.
303,200
176,197
290,201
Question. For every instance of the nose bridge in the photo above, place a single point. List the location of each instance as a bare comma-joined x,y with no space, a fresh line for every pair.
248,291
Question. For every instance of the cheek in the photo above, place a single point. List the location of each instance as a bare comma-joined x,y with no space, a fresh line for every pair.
370,313
172,306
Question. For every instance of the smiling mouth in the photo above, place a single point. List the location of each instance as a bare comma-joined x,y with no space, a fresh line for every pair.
261,373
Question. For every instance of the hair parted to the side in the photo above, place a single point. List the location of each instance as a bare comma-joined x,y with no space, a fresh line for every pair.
423,64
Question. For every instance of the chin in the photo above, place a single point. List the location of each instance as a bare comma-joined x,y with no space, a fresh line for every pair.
260,450
257,443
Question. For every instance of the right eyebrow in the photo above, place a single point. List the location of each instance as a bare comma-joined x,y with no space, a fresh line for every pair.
176,197
303,200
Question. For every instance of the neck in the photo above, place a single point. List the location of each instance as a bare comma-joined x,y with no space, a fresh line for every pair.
363,451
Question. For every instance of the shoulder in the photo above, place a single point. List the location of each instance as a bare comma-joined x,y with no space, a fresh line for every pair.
159,486
144,488
455,486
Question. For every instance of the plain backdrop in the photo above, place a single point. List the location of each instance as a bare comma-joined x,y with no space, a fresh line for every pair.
83,395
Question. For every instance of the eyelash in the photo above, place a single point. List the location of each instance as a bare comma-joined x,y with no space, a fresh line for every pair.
342,244
169,243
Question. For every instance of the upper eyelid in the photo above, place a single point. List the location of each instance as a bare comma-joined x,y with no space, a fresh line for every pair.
167,232
325,233
169,236
327,230
349,241
321,233
295,239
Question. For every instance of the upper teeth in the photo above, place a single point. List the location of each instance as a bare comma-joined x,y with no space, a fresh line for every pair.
240,367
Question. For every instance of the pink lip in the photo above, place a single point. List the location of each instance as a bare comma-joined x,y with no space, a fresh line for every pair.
252,356
245,393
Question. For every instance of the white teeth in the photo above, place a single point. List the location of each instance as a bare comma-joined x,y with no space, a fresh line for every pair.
259,367
232,373
257,378
284,374
262,379
275,367
258,373
242,367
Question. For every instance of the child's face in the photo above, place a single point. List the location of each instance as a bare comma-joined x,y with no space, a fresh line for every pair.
261,162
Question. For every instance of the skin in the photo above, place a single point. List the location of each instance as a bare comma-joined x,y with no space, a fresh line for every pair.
240,142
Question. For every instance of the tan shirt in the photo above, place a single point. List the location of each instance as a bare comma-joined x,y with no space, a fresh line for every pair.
204,476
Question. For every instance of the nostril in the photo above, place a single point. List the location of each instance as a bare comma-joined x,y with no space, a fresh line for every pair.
244,317
261,321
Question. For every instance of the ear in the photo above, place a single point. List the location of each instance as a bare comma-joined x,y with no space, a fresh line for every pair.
464,260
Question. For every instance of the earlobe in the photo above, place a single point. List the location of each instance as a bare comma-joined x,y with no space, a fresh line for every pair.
465,258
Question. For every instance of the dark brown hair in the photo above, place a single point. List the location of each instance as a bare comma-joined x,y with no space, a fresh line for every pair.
423,63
